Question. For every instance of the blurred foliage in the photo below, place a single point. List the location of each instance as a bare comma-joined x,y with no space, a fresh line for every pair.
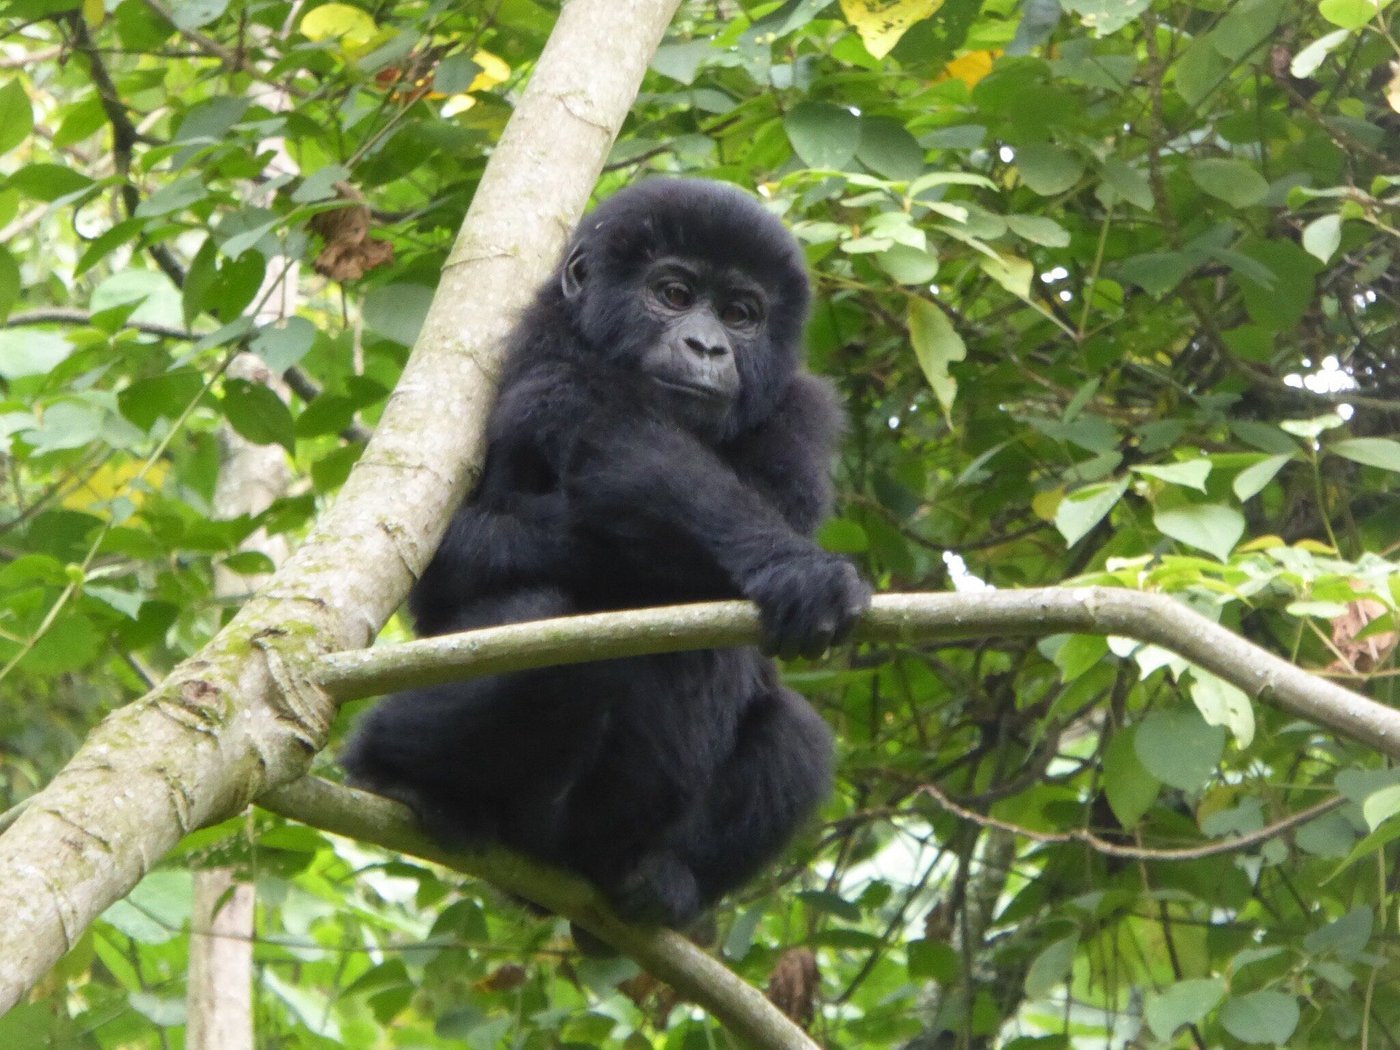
1110,291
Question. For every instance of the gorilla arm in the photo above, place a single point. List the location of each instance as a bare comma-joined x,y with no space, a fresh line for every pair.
647,479
786,457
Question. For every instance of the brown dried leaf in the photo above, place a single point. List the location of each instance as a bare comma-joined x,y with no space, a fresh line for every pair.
1364,655
503,978
794,985
350,251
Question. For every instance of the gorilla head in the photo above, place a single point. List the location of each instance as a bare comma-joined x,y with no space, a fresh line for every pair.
698,286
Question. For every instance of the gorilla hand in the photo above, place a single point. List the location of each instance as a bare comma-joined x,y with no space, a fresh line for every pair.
807,602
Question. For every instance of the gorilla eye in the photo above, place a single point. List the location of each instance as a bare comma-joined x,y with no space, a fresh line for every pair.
739,315
676,295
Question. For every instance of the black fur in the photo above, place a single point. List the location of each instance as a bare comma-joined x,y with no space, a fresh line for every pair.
667,780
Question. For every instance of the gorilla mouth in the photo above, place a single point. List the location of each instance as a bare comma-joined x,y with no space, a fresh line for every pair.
698,390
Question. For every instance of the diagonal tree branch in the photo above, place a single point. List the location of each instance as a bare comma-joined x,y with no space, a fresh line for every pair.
663,953
243,715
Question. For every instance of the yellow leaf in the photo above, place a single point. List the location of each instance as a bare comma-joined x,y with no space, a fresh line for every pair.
1011,272
1044,504
1392,90
936,346
1263,543
349,25
94,12
1314,547
970,68
111,480
494,70
881,23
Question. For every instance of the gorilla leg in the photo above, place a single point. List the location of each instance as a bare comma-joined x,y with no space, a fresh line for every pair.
475,758
777,774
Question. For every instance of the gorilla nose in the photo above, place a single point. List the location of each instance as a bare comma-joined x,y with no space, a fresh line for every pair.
705,348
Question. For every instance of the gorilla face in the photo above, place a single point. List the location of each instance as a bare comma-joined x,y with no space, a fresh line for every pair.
688,325
700,289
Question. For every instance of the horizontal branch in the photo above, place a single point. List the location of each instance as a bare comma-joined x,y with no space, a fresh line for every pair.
899,618
664,954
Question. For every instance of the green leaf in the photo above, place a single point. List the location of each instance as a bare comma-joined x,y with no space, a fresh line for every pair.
396,311
1222,704
1246,25
9,282
682,61
258,414
1372,452
843,536
168,394
1128,786
30,352
1011,272
1330,835
1106,16
1346,937
1322,236
933,960
283,345
70,423
16,115
1046,168
1156,273
1050,968
1236,182
1314,427
1127,182
1183,1003
887,148
936,346
1250,482
192,14
823,135
1380,806
1038,230
1281,303
1200,70
173,196
1205,526
455,74
1079,653
320,184
908,265
1261,1017
1084,508
1178,748
48,182
1350,14
1191,474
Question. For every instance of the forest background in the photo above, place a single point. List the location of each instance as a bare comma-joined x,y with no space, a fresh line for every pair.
1109,291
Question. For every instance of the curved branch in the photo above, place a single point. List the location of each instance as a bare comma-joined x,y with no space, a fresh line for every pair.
1115,849
663,953
898,618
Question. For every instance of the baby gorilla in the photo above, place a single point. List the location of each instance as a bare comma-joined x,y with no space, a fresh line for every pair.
655,441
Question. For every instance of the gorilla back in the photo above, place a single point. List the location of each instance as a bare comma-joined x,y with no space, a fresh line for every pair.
654,441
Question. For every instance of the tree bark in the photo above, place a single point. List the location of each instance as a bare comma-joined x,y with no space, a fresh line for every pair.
243,715
907,619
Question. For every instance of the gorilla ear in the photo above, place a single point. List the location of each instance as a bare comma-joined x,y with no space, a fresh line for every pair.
571,281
